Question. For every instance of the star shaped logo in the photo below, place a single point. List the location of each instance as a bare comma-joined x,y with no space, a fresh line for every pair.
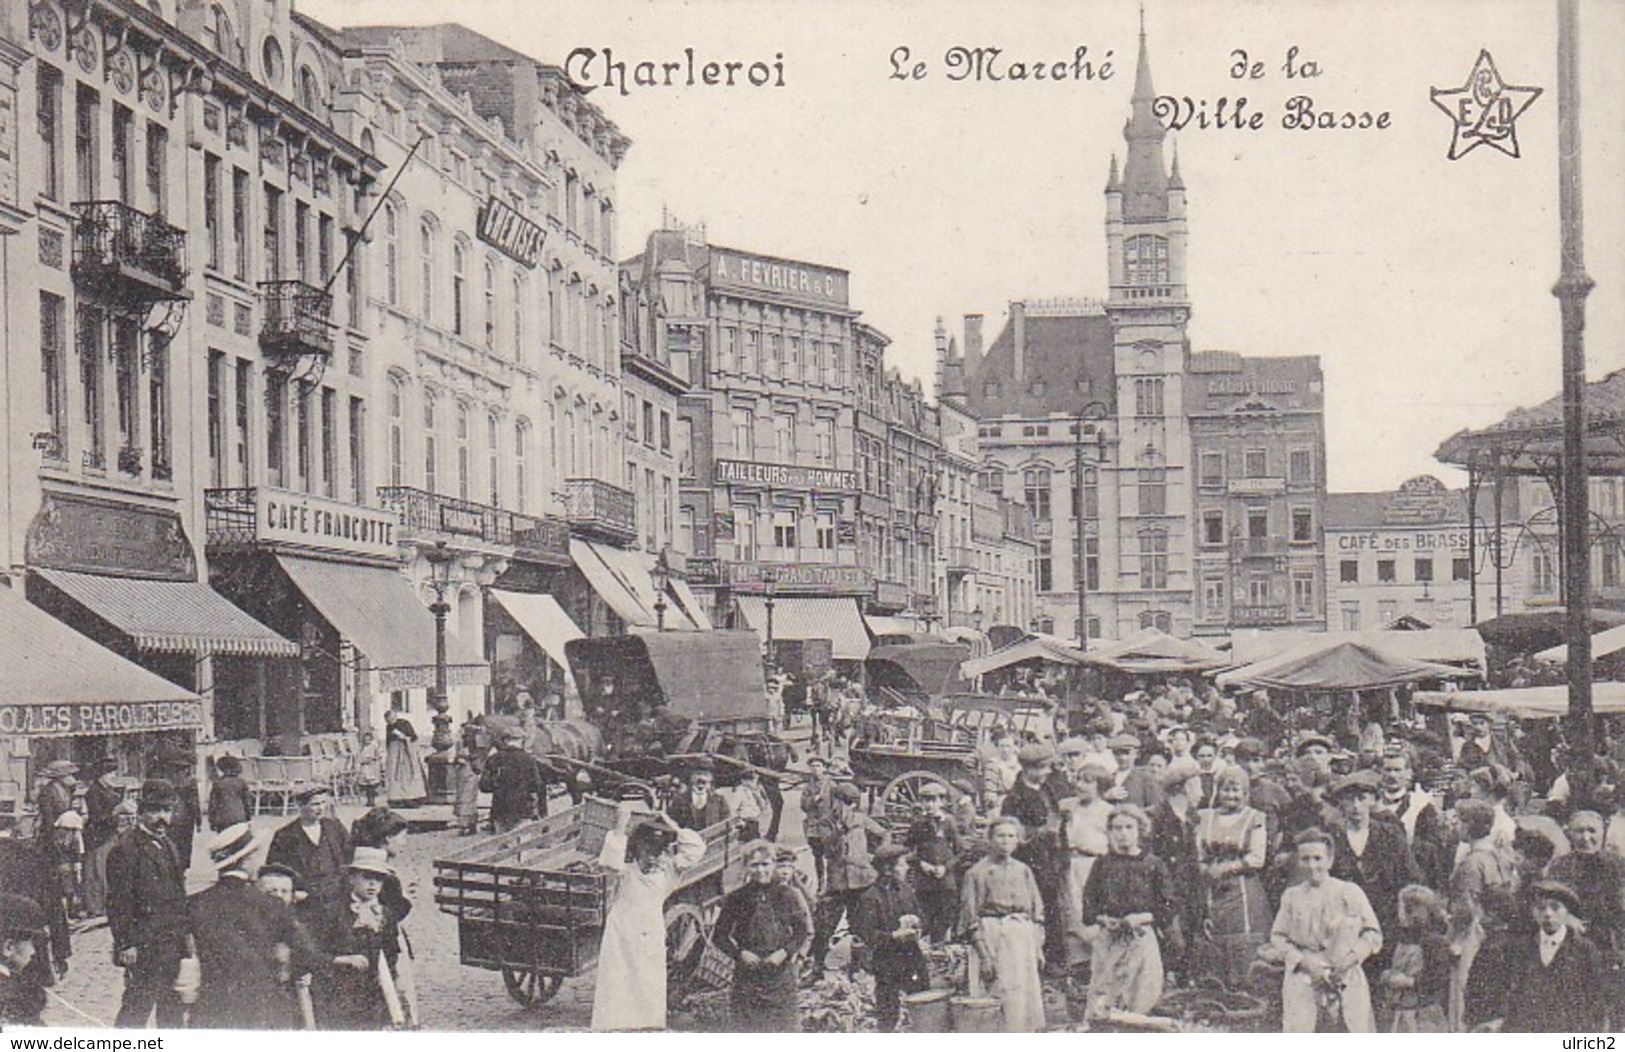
1485,109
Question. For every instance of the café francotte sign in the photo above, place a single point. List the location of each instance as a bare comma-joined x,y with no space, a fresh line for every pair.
283,518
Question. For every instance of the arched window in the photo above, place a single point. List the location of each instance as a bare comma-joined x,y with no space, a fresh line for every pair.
1145,260
310,90
459,263
518,331
397,437
431,445
577,295
392,256
552,443
554,322
570,466
464,466
521,465
490,318
426,251
493,472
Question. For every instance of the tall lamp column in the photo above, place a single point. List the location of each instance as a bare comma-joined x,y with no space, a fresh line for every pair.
442,786
770,584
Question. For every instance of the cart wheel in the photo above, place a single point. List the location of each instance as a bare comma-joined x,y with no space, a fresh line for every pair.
531,989
903,792
685,942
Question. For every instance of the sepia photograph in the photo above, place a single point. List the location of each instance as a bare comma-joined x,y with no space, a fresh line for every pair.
843,517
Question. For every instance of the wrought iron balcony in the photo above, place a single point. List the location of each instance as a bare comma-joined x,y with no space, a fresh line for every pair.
423,512
961,560
127,256
228,517
1258,546
596,508
295,319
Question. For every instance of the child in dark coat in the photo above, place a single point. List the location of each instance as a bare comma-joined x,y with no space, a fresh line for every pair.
886,918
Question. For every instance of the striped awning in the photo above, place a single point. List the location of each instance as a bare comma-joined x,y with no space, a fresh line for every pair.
184,617
834,619
624,579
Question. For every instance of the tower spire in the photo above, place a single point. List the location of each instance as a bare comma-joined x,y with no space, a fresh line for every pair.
1144,177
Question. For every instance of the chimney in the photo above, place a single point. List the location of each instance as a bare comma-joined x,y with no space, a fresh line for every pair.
1018,337
973,345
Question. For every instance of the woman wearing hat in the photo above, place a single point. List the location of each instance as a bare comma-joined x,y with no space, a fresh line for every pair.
631,988
359,937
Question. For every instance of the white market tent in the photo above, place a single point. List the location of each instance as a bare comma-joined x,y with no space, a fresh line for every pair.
1444,646
1152,650
1040,647
1608,641
1607,699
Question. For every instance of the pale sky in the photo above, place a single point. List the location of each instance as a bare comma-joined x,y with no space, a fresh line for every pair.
1423,283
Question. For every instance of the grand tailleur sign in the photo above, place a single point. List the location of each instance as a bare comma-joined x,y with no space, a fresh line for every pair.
504,229
778,276
300,520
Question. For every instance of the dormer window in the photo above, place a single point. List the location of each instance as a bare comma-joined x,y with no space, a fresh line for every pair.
1145,260
310,91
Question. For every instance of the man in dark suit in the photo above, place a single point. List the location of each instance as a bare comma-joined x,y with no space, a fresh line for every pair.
1372,853
514,779
146,910
246,941
315,845
55,795
27,869
700,807
1558,982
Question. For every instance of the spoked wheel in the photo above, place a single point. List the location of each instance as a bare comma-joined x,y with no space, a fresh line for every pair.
531,989
685,945
902,794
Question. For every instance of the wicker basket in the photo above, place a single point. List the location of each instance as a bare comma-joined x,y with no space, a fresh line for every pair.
715,970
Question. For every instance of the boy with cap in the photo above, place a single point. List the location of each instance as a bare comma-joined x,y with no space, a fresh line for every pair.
850,868
359,939
315,844
22,923
1558,981
887,919
146,911
1373,855
935,840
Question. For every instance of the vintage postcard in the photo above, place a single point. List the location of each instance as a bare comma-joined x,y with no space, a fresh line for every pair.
739,516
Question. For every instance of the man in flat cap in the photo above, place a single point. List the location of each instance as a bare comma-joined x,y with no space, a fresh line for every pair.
1039,812
22,923
850,866
1558,979
514,779
315,845
1373,855
935,840
146,911
700,806
55,795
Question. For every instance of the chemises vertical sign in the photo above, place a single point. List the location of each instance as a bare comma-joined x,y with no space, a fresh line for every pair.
504,229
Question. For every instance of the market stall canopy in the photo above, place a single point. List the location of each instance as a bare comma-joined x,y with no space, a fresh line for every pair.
543,620
929,667
625,580
715,675
376,609
1446,646
1033,648
1609,641
1607,699
60,683
1152,650
1345,665
1536,630
798,617
186,617
979,643
894,629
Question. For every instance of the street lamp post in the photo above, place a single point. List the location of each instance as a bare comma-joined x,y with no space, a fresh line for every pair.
1080,560
770,583
442,787
660,575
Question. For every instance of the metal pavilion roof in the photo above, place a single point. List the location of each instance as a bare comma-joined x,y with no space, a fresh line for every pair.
1530,441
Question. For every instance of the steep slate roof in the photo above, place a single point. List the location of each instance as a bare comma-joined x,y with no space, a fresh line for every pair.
1064,352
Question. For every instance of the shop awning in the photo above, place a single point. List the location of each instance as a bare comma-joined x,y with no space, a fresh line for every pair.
60,683
377,611
691,604
1607,699
543,620
834,619
623,579
185,617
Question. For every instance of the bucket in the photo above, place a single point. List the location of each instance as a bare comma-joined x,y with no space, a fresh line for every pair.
977,1015
928,1011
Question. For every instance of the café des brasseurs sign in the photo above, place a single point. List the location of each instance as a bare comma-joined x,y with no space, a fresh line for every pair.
504,229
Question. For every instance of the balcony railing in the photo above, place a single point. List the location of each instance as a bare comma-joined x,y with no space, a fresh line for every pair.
597,508
1258,546
961,560
295,319
423,512
228,517
126,255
